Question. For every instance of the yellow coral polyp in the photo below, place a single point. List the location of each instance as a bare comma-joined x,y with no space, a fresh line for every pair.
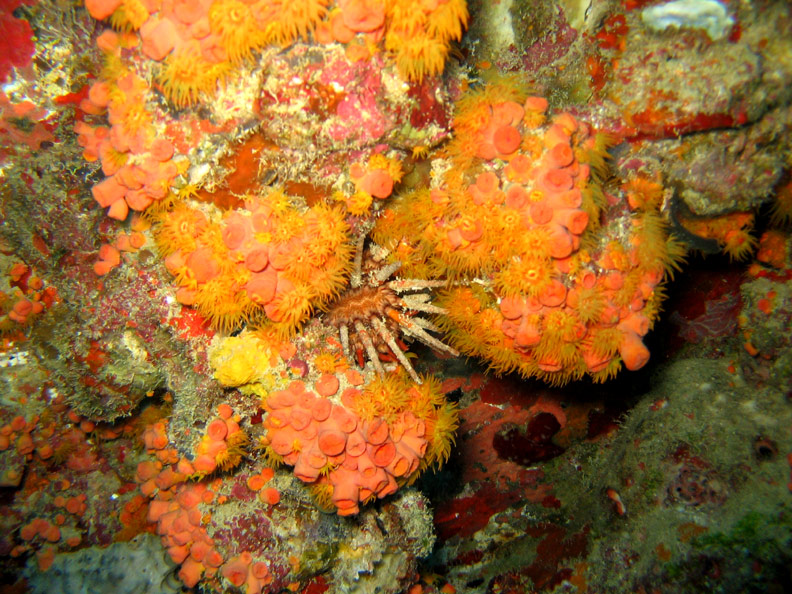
224,303
326,226
129,16
590,304
392,166
235,451
134,117
732,232
653,245
643,193
178,229
525,275
293,308
234,24
327,362
384,396
448,20
781,212
440,430
418,35
284,21
359,203
186,75
738,244
417,56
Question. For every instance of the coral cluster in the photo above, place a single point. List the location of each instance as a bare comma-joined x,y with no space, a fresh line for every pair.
25,298
355,441
730,232
137,162
267,262
563,281
258,169
175,504
198,44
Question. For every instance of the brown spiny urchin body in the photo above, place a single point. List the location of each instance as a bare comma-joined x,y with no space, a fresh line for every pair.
375,312
362,305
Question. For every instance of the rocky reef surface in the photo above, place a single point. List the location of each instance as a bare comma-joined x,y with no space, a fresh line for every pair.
395,296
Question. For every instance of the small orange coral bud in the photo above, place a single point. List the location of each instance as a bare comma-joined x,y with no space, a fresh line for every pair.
487,182
633,352
74,506
24,444
354,377
538,104
45,557
327,385
109,254
118,210
138,200
18,423
28,531
270,496
202,265
137,240
199,550
331,442
185,467
157,509
321,409
257,260
267,474
52,533
560,155
146,470
378,183
259,570
225,411
235,571
506,139
204,464
341,33
190,572
363,16
217,430
384,454
555,181
255,482
101,9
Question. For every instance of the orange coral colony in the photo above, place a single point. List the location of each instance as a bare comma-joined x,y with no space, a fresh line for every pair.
517,209
354,444
266,263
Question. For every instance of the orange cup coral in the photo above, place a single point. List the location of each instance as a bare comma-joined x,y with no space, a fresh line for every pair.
267,263
362,445
520,208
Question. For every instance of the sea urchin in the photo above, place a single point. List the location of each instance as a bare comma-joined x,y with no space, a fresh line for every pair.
374,312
